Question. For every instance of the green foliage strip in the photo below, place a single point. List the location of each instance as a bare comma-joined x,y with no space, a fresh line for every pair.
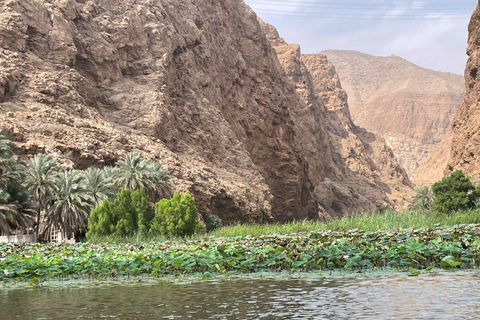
330,250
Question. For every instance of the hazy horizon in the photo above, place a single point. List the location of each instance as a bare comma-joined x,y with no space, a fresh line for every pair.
431,34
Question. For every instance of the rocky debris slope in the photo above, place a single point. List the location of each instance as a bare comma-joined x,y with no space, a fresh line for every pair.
361,167
465,152
195,85
411,107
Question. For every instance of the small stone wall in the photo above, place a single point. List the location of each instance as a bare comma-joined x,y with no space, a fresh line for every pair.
18,239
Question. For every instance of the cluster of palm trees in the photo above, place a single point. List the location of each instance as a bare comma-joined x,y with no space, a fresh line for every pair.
61,199
15,211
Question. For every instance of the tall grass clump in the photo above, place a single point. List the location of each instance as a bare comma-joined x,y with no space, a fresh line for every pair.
386,221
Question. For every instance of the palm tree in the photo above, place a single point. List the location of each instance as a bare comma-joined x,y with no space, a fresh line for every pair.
14,215
8,213
5,210
136,172
98,184
69,204
15,210
6,154
423,199
12,172
40,181
109,173
5,147
161,179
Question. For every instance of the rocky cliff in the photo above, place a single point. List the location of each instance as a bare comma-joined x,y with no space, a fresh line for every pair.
361,167
433,167
195,85
465,152
412,108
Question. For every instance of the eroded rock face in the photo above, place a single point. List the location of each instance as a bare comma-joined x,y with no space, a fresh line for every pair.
194,85
361,171
412,108
433,168
465,153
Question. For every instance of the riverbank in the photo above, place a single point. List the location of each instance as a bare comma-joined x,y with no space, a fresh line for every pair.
384,221
354,250
380,221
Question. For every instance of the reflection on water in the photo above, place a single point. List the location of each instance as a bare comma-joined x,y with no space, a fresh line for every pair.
443,296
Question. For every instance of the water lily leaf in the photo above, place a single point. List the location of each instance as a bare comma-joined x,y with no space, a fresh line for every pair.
177,262
449,262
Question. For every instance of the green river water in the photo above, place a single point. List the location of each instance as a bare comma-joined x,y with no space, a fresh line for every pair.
428,296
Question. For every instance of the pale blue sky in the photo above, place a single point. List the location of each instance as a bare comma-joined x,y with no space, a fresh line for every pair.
430,33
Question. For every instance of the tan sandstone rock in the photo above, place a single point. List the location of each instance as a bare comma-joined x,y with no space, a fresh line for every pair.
195,85
465,152
360,168
412,108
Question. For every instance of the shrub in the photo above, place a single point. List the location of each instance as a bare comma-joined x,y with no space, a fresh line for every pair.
128,214
212,222
177,216
454,193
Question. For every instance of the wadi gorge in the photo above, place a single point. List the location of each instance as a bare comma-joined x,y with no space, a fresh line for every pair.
411,107
255,130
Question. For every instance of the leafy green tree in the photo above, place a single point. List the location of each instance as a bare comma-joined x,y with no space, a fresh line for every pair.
212,222
98,185
423,199
177,216
136,172
40,181
68,204
454,193
128,214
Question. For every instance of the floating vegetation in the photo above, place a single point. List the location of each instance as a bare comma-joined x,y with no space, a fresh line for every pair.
353,250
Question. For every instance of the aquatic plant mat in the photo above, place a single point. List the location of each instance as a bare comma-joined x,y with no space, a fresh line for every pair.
411,250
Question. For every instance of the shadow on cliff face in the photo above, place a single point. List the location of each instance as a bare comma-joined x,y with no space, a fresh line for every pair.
195,85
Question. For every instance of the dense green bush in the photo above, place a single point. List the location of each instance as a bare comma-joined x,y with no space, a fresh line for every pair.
128,214
177,216
453,193
212,222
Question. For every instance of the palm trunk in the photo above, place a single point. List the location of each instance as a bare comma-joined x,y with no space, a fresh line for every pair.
38,222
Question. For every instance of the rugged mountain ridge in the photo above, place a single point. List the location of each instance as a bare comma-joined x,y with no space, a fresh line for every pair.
411,107
362,165
195,85
465,150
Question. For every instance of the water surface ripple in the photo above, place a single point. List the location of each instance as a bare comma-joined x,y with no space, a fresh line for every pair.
442,296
